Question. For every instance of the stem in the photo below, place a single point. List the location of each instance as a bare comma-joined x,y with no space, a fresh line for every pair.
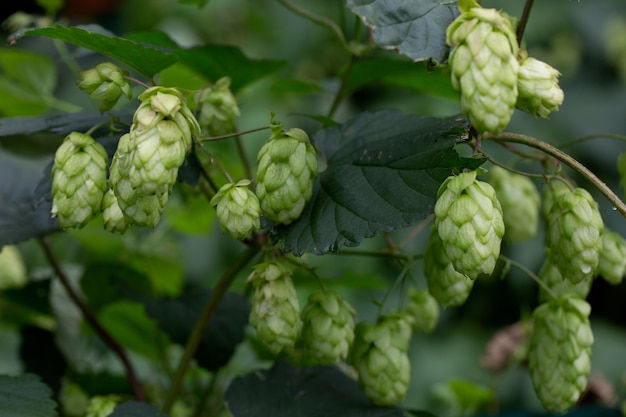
530,273
231,135
66,56
523,20
593,136
567,160
202,323
342,87
137,81
91,318
244,159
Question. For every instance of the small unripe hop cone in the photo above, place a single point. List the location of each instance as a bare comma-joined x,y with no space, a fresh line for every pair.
551,277
238,209
105,83
422,310
538,88
218,109
612,263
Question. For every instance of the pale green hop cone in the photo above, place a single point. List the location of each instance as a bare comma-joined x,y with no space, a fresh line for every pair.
574,235
275,310
12,268
470,224
449,287
102,406
114,219
238,209
422,310
105,83
328,327
612,264
78,180
549,274
520,201
218,109
550,191
287,166
538,87
560,352
484,67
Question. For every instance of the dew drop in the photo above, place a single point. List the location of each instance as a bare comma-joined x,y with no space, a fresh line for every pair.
614,208
586,269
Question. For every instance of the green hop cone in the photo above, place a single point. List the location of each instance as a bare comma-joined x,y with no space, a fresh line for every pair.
520,202
105,83
484,67
538,87
12,268
549,194
286,170
328,327
238,209
574,235
422,310
549,274
218,110
112,214
379,355
560,352
275,310
78,180
470,224
449,287
612,264
102,406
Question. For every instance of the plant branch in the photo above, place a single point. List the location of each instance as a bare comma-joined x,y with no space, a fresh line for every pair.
593,136
523,20
530,273
342,87
202,323
243,157
567,160
93,321
231,135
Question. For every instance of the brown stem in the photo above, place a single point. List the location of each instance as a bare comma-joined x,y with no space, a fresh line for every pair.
523,20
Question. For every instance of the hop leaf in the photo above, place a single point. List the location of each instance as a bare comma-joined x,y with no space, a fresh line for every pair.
12,268
105,83
238,209
422,310
328,327
560,352
484,67
470,224
287,168
445,284
574,235
552,278
538,87
218,109
275,310
520,202
78,180
612,263
112,214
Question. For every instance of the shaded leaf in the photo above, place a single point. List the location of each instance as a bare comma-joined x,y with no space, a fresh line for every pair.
285,391
25,396
291,86
414,28
383,170
49,364
57,124
135,409
226,330
35,72
102,383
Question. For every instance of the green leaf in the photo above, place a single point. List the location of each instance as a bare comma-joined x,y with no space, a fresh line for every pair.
57,124
291,86
25,396
17,101
286,391
383,170
143,58
226,330
416,28
135,409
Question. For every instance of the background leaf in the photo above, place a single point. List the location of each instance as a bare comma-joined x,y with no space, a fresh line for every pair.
414,28
134,409
25,396
285,391
383,172
57,124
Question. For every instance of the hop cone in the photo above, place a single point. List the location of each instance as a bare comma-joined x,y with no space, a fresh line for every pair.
422,310
275,309
101,406
238,209
484,66
549,194
552,278
105,83
560,352
218,109
328,327
445,284
612,264
287,168
114,219
78,180
538,86
12,268
574,235
380,357
148,163
520,202
470,224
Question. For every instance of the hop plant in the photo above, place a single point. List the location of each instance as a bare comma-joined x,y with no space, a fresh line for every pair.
380,357
12,268
484,67
470,224
520,203
549,194
328,326
560,352
574,235
218,109
105,83
114,219
78,180
238,209
551,277
422,310
612,263
445,284
101,406
287,167
147,162
538,87
275,310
